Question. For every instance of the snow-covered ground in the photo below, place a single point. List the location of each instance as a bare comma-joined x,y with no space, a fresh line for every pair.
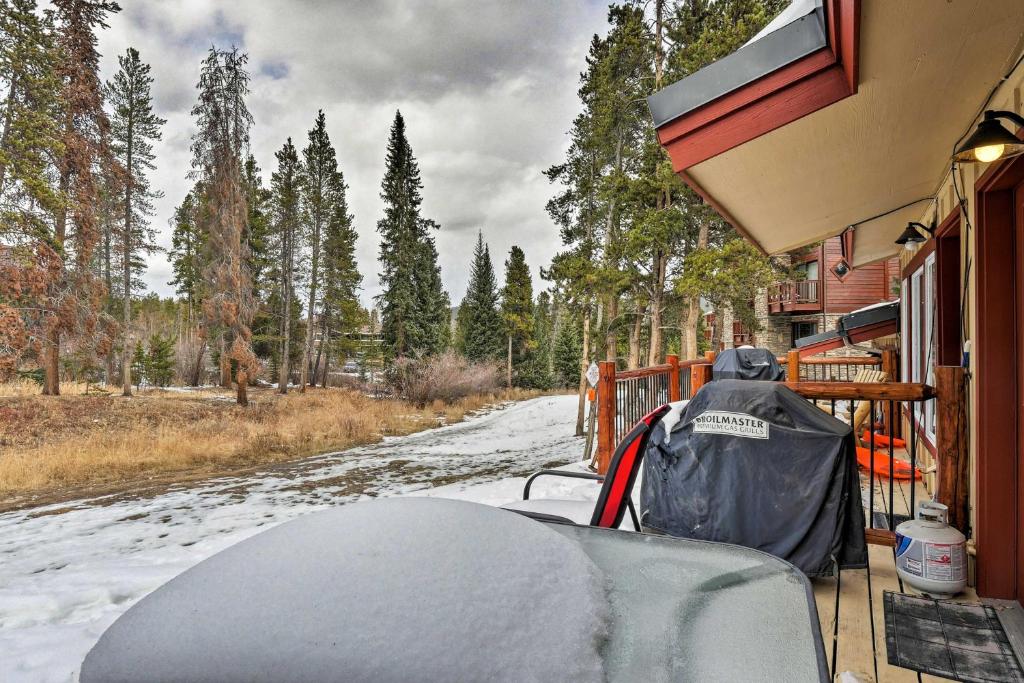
67,571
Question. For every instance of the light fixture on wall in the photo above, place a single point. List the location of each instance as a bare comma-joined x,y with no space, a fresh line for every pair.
990,141
911,237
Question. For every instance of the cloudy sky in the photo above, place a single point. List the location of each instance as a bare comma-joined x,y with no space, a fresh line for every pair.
488,90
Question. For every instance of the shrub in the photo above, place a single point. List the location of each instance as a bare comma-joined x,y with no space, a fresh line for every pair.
446,377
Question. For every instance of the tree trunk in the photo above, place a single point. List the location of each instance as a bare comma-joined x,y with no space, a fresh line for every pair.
51,366
286,321
225,365
611,337
327,356
314,267
315,368
508,365
126,366
633,360
654,354
584,364
693,312
719,331
199,364
242,397
51,351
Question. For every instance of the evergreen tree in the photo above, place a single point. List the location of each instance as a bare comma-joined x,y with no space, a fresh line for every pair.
218,148
160,361
567,356
134,127
341,313
321,187
258,229
285,184
30,139
84,137
482,332
413,303
187,249
517,311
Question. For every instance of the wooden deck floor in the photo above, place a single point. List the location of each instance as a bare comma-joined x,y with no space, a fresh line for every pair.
855,617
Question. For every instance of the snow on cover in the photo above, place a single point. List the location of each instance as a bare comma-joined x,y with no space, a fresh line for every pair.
66,575
408,589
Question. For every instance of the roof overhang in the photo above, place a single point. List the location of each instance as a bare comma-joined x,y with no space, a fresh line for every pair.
842,112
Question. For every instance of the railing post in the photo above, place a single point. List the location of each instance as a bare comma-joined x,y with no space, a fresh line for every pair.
891,367
673,377
699,376
606,409
710,357
793,366
951,444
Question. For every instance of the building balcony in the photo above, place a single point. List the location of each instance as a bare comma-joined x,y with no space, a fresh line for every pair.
800,296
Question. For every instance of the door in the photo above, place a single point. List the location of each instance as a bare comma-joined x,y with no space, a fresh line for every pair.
1018,326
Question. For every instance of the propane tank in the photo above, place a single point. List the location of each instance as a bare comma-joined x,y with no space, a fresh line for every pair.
931,556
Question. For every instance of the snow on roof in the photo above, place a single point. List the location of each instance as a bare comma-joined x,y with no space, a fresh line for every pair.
880,304
795,10
396,589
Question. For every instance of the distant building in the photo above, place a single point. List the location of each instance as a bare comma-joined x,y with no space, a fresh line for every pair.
827,289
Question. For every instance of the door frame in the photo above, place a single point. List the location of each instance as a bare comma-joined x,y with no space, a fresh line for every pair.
1000,551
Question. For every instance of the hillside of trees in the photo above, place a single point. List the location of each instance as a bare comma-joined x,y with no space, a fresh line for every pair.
264,270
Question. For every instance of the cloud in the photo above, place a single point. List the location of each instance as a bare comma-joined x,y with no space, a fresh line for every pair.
488,90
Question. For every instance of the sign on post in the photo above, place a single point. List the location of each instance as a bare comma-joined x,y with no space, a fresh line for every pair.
593,374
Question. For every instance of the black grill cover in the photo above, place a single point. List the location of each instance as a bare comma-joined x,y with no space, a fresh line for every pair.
754,464
747,364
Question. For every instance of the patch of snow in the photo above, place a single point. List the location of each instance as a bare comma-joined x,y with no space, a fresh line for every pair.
67,574
509,599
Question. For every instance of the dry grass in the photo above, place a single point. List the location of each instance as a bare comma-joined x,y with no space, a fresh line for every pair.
53,443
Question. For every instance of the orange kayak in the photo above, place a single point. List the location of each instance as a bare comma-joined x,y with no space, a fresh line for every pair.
883,440
900,468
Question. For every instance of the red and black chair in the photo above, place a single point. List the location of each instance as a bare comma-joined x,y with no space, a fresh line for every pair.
617,485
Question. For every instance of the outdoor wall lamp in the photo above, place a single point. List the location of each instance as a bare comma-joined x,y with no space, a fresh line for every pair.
990,140
911,236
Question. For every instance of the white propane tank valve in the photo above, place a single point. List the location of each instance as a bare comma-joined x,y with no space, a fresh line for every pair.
931,556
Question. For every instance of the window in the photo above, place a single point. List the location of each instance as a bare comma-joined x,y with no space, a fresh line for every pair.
809,270
917,311
804,329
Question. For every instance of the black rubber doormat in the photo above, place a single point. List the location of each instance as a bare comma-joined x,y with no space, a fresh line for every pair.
953,640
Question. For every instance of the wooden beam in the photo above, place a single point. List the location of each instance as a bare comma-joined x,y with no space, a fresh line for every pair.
606,410
951,444
863,391
880,537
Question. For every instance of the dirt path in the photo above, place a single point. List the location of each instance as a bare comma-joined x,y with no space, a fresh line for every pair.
68,570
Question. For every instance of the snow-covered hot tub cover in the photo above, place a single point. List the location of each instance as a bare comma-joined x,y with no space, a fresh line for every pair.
427,589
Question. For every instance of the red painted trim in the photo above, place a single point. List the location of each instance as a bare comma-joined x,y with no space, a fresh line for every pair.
821,347
869,332
997,508
787,94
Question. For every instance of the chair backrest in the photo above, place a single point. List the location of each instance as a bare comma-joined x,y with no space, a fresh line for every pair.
622,471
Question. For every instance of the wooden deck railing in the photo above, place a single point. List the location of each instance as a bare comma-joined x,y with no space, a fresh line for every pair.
624,397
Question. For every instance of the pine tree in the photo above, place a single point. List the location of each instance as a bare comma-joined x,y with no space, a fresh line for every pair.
160,361
84,149
258,228
322,183
219,147
30,138
567,356
482,332
413,303
134,127
285,184
517,310
341,312
187,249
